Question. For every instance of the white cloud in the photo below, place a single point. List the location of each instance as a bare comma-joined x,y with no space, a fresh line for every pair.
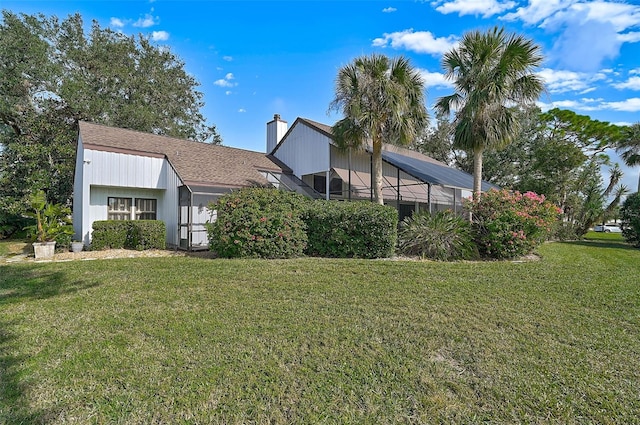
486,8
418,41
227,58
588,32
628,105
434,79
622,16
116,22
633,83
146,21
242,110
569,104
228,92
159,36
561,81
585,45
635,71
389,9
226,81
588,90
629,37
537,10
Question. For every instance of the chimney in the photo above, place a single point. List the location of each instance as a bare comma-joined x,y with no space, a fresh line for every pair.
275,130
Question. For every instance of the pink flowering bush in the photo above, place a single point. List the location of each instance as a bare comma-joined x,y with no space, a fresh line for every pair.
511,224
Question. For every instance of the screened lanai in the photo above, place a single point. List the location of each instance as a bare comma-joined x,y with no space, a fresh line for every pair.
194,202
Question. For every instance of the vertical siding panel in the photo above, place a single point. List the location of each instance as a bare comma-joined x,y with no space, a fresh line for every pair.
305,150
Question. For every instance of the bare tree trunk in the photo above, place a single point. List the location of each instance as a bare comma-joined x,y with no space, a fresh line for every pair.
377,172
477,173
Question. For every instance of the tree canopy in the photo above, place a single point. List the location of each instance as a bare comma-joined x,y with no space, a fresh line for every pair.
53,74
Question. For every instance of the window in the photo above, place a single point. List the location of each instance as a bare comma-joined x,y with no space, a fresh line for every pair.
145,209
131,209
119,209
320,184
335,186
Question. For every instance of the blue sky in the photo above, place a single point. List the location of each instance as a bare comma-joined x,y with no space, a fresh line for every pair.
257,58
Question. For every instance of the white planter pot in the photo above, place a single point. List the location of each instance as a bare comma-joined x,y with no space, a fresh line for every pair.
77,246
44,250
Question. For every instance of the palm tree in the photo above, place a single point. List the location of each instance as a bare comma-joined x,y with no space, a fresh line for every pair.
492,72
630,145
382,101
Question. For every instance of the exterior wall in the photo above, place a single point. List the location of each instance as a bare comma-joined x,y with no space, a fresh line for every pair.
304,150
360,160
124,170
100,175
80,213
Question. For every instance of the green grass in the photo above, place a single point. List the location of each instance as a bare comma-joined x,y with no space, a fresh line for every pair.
601,236
188,340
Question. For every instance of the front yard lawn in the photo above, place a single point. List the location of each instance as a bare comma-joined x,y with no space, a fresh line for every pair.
189,340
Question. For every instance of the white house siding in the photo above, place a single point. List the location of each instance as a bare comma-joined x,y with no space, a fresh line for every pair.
107,174
80,215
125,170
304,150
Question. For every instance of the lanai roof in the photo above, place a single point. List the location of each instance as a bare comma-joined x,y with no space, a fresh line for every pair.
196,163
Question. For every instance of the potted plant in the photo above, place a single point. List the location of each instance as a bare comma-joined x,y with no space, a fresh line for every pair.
77,246
52,221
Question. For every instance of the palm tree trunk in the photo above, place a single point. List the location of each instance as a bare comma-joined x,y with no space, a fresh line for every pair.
477,173
377,172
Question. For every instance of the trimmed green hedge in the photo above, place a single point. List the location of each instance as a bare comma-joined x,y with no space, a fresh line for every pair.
258,222
129,234
351,229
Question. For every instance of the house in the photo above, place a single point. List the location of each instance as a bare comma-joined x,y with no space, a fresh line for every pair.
129,175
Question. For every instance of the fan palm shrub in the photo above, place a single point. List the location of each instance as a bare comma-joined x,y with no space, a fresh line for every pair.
442,236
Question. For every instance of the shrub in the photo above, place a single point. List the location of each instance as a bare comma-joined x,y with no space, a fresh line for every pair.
138,234
441,236
258,222
11,224
147,234
109,234
351,229
630,219
565,231
510,224
63,242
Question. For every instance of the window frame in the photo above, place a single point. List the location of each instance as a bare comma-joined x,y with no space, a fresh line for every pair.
133,212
